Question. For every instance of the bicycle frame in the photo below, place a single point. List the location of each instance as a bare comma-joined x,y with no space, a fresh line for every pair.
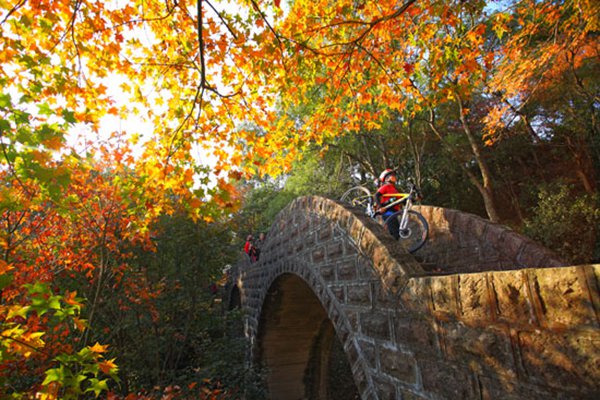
402,198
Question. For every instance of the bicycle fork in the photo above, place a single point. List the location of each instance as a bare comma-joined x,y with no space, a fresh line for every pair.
404,231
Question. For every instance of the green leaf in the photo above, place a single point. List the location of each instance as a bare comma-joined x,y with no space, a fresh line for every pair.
69,116
97,386
5,280
54,375
5,100
4,125
45,109
37,287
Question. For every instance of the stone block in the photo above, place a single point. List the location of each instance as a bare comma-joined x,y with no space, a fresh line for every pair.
513,303
398,364
350,247
443,219
369,353
474,299
443,295
346,271
352,319
417,334
375,325
353,353
360,379
486,351
385,389
318,255
335,250
339,293
382,298
446,381
513,243
324,233
327,272
569,360
511,389
365,268
416,296
356,230
494,235
359,295
532,255
563,297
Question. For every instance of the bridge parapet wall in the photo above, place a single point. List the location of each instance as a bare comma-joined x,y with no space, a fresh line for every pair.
461,242
532,333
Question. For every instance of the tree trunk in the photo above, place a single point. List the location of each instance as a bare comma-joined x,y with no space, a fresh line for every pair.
488,190
484,189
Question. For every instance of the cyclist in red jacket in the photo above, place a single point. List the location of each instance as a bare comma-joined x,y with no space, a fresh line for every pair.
385,195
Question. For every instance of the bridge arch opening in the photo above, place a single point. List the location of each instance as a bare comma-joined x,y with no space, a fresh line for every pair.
298,346
235,300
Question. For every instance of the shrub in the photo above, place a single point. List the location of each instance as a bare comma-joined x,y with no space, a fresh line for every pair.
566,223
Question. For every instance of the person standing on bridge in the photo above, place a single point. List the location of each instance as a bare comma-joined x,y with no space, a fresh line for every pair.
386,194
259,244
250,249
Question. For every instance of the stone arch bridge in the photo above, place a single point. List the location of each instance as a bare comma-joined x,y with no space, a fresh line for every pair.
335,309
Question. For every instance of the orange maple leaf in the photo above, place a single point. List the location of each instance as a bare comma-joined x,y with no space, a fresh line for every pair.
98,348
70,298
107,366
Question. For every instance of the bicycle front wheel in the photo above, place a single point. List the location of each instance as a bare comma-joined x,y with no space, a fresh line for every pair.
358,196
415,234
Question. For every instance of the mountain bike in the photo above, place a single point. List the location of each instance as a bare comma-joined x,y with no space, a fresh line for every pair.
413,228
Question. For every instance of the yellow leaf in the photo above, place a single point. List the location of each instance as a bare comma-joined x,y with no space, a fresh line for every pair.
98,348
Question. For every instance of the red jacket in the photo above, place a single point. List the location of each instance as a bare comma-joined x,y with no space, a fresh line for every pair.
247,247
388,188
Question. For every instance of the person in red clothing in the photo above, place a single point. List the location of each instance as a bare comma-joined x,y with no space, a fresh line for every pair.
250,249
385,195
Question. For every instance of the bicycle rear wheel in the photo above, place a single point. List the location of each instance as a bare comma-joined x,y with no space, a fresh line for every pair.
358,196
416,232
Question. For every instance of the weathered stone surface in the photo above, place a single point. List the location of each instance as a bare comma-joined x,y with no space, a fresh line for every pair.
385,388
512,297
493,389
369,353
416,296
347,271
328,272
486,352
443,295
447,381
562,360
564,297
375,325
359,294
417,334
474,298
335,250
398,364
